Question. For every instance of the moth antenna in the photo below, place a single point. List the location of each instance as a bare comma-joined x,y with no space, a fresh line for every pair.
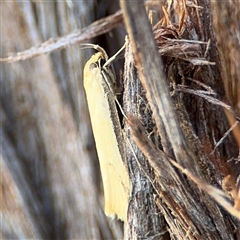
96,47
111,59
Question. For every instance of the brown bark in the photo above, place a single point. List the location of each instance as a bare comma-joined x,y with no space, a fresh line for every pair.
188,212
226,15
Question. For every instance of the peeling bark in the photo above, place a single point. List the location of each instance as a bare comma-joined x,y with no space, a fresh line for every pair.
188,212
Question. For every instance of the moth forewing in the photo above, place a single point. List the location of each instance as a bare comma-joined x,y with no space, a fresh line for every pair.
108,135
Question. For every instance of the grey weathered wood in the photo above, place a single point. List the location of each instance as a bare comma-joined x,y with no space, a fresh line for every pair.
48,125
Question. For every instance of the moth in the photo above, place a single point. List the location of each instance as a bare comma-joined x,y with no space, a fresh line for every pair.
99,79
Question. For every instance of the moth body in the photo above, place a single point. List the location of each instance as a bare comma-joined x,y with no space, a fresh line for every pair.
107,134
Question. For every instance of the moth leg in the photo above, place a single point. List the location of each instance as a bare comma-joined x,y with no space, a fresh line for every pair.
111,59
109,83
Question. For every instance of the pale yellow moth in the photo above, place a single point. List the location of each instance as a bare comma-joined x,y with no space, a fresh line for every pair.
98,83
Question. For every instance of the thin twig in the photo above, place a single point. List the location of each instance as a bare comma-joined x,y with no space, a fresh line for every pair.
97,28
205,95
224,136
217,194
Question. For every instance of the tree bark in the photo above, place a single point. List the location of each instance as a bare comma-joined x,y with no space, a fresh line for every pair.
178,199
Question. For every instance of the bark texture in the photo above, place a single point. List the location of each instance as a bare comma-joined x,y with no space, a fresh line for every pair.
185,127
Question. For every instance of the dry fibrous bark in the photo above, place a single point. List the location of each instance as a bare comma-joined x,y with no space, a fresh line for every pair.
191,62
144,218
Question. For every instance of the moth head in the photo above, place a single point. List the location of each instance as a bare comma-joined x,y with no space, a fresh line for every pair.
93,65
97,62
98,65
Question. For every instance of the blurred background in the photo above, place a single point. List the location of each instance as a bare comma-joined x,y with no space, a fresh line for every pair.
51,184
